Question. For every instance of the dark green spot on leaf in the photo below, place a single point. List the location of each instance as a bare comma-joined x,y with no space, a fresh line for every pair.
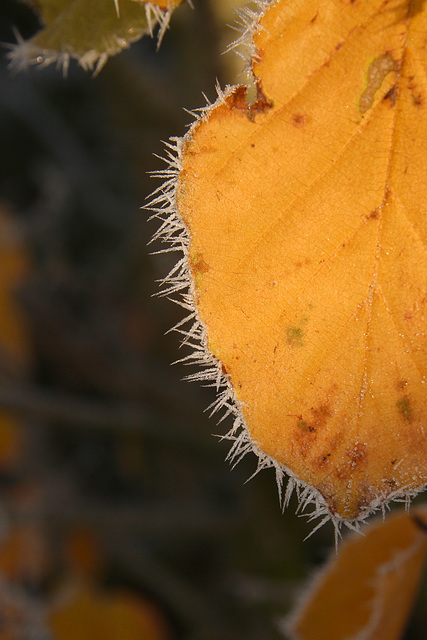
294,336
405,409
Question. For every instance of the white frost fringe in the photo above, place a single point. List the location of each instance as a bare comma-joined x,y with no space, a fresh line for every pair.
179,283
24,53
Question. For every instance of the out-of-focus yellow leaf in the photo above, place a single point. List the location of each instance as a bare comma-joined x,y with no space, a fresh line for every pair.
10,439
89,30
93,615
369,588
306,215
24,558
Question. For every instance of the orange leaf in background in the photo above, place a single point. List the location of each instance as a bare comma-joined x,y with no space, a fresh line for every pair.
368,589
306,216
90,614
10,439
24,557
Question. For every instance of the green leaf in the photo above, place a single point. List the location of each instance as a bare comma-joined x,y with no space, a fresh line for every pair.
89,30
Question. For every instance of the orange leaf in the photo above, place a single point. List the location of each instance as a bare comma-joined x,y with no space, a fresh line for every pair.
10,439
93,615
24,557
303,223
368,589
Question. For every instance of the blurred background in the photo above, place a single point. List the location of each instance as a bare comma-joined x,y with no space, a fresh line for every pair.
119,517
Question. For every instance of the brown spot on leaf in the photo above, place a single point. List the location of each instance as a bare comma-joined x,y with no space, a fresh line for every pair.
301,263
237,100
417,99
322,460
262,103
374,215
199,265
321,414
377,71
401,384
307,430
298,120
304,426
391,95
305,436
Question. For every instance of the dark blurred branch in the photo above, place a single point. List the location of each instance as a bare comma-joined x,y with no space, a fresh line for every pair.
64,409
189,519
56,135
